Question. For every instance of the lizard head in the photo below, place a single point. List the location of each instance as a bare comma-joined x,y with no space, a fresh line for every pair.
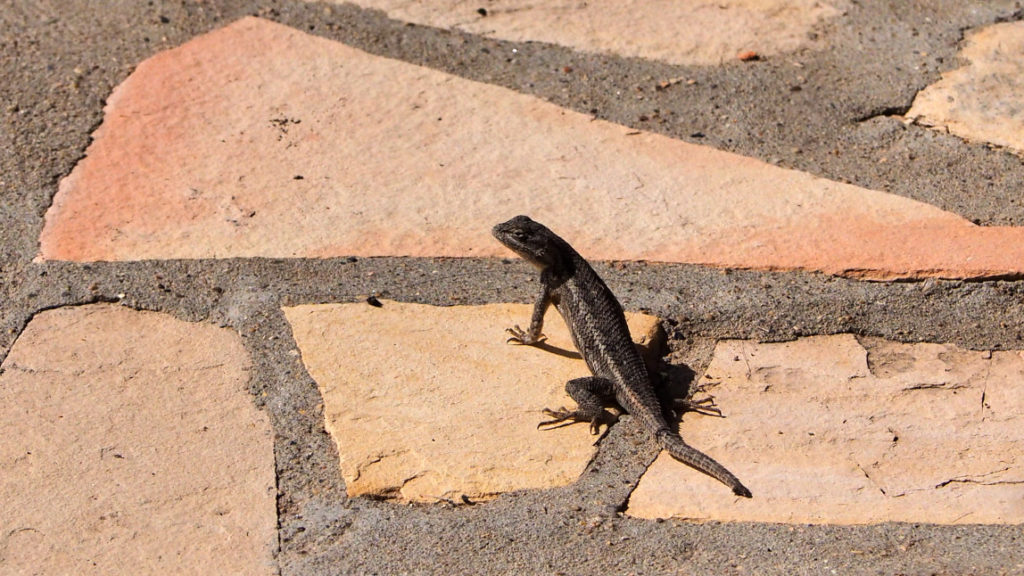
531,240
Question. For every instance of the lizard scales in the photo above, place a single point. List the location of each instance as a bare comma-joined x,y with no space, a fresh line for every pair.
598,327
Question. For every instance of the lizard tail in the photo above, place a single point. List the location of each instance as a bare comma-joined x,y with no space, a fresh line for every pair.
696,459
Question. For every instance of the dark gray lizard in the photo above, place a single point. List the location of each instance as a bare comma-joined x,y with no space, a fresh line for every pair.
598,328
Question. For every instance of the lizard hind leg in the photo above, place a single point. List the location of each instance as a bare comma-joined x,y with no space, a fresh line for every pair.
591,394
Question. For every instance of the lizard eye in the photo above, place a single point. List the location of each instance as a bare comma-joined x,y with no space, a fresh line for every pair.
519,234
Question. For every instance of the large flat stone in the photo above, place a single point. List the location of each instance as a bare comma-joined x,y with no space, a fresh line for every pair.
982,100
693,32
258,140
823,430
130,446
427,402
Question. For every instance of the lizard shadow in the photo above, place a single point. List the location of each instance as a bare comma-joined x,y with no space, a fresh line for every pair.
673,381
559,351
675,387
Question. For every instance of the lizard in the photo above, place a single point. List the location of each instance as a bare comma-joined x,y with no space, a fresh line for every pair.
598,329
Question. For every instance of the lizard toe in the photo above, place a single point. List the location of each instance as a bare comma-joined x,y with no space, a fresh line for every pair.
520,336
559,418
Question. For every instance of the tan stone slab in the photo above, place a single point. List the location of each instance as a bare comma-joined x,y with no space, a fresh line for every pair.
202,149
427,402
984,99
704,32
824,431
129,445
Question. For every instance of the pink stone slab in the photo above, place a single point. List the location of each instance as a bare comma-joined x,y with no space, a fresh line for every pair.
130,445
828,430
258,140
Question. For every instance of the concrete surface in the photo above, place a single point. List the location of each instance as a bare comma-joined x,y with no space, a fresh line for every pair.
834,109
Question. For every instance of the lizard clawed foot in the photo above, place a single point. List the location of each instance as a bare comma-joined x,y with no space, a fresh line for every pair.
704,406
520,336
564,417
561,417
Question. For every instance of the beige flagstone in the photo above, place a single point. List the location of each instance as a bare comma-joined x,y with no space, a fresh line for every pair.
704,32
428,402
824,430
131,446
982,100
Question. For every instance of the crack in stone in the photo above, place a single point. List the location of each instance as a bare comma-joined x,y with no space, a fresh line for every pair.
984,384
978,479
377,459
15,367
5,541
405,482
870,479
899,111
936,386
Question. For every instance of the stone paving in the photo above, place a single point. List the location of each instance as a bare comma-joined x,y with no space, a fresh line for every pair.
387,389
271,432
129,441
698,32
228,146
984,99
832,430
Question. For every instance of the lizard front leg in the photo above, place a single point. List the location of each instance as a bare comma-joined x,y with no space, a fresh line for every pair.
591,394
533,335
